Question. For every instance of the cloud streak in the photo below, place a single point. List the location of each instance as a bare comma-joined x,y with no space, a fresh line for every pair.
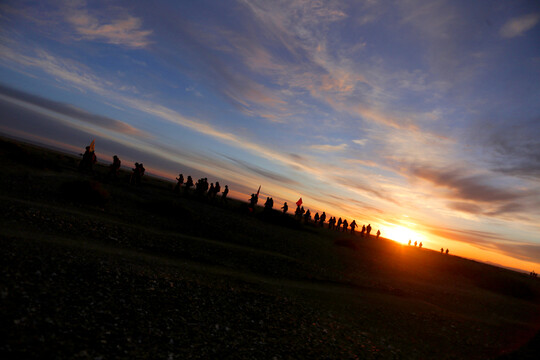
263,172
329,148
491,241
125,31
466,187
518,26
71,111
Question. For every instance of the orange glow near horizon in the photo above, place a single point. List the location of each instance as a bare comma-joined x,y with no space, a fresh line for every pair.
402,234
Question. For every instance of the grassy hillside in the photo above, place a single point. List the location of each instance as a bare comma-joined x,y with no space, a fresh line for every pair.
103,269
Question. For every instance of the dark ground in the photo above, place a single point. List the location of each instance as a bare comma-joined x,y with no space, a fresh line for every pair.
96,270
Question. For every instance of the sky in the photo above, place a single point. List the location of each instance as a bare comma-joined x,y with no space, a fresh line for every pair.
420,118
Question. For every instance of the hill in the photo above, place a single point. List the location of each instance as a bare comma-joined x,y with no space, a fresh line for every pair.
102,269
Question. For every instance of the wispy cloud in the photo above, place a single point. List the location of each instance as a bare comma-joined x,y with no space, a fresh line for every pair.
192,89
233,83
289,53
510,144
266,174
361,142
518,26
491,241
464,186
72,72
466,207
329,148
481,194
125,30
70,111
381,117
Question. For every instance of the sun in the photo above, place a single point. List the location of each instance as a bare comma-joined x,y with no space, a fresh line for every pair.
402,234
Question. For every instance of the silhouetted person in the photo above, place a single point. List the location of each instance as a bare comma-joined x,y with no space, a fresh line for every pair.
297,212
316,218
114,168
134,174
409,242
88,160
332,223
353,226
137,174
205,185
420,245
442,250
368,230
224,194
211,190
345,225
339,222
252,202
415,243
269,204
447,251
217,189
285,207
189,184
363,230
201,187
378,234
179,182
322,218
307,216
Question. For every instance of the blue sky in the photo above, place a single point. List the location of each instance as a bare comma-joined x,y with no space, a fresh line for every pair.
421,118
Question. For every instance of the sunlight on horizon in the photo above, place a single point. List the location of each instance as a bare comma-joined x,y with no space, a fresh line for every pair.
402,234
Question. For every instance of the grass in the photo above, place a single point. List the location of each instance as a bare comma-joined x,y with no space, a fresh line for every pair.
94,268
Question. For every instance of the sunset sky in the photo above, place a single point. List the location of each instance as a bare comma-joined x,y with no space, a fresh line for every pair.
419,117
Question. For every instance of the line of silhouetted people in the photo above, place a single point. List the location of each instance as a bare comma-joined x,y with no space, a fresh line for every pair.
420,245
333,224
203,188
89,159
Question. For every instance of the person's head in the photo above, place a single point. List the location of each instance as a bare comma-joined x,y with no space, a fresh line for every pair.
115,157
88,148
